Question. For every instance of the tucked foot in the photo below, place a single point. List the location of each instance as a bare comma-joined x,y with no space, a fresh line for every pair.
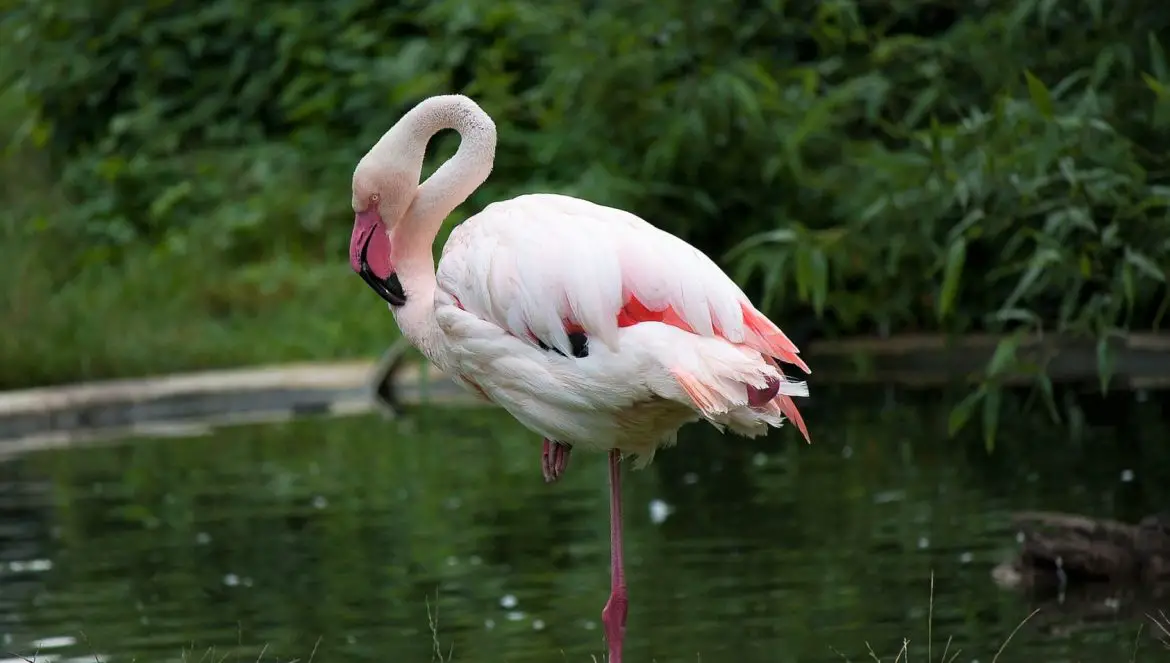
554,458
613,616
760,397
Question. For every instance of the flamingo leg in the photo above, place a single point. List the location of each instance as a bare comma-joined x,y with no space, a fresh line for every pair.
613,616
554,458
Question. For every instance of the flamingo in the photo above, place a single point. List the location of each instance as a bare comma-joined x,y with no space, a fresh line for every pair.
589,325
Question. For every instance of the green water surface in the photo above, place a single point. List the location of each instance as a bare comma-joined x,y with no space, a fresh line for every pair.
332,538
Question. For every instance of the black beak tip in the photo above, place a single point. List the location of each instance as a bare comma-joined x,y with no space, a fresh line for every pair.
395,295
389,289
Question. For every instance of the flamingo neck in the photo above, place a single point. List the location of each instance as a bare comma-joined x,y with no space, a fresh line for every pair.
412,240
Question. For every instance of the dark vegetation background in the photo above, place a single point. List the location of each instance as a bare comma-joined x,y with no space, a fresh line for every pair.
176,174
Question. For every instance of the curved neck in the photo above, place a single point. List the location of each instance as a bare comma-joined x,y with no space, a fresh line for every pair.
455,179
413,238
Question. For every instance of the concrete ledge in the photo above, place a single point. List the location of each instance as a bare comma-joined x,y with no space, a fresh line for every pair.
124,403
188,404
1139,361
195,403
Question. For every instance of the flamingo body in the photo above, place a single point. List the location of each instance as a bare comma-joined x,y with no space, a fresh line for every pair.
670,338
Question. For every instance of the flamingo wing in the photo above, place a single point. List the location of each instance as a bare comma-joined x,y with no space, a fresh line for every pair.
542,266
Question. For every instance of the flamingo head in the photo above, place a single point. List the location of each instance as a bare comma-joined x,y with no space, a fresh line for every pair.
381,197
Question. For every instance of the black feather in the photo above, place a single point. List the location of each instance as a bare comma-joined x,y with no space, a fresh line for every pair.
578,342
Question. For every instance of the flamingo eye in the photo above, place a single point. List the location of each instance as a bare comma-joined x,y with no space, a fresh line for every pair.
374,198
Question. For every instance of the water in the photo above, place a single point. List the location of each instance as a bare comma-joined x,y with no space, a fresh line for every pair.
333,539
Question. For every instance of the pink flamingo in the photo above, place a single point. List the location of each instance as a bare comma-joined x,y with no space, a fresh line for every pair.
590,326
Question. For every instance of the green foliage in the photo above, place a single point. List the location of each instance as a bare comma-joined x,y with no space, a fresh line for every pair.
67,318
887,167
1052,203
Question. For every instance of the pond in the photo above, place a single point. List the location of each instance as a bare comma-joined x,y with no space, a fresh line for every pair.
333,539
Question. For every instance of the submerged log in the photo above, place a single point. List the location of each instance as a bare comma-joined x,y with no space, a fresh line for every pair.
1061,549
1085,573
1095,606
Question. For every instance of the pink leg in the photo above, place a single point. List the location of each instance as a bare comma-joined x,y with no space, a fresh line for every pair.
554,458
613,616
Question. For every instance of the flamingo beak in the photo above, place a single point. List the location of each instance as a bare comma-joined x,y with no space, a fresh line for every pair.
370,242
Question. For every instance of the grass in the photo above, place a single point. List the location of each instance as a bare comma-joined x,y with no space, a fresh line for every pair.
437,654
1160,622
187,656
947,656
154,315
65,320
209,656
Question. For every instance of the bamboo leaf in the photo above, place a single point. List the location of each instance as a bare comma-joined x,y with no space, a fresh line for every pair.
1155,86
952,273
961,413
820,280
804,273
1017,315
1104,362
936,142
972,218
1040,260
1127,287
778,236
1144,264
1049,398
1040,95
1004,355
1157,58
991,406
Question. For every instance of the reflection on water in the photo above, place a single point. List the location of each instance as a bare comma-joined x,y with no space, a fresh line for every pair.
335,538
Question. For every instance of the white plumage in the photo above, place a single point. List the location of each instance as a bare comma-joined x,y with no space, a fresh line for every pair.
525,268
